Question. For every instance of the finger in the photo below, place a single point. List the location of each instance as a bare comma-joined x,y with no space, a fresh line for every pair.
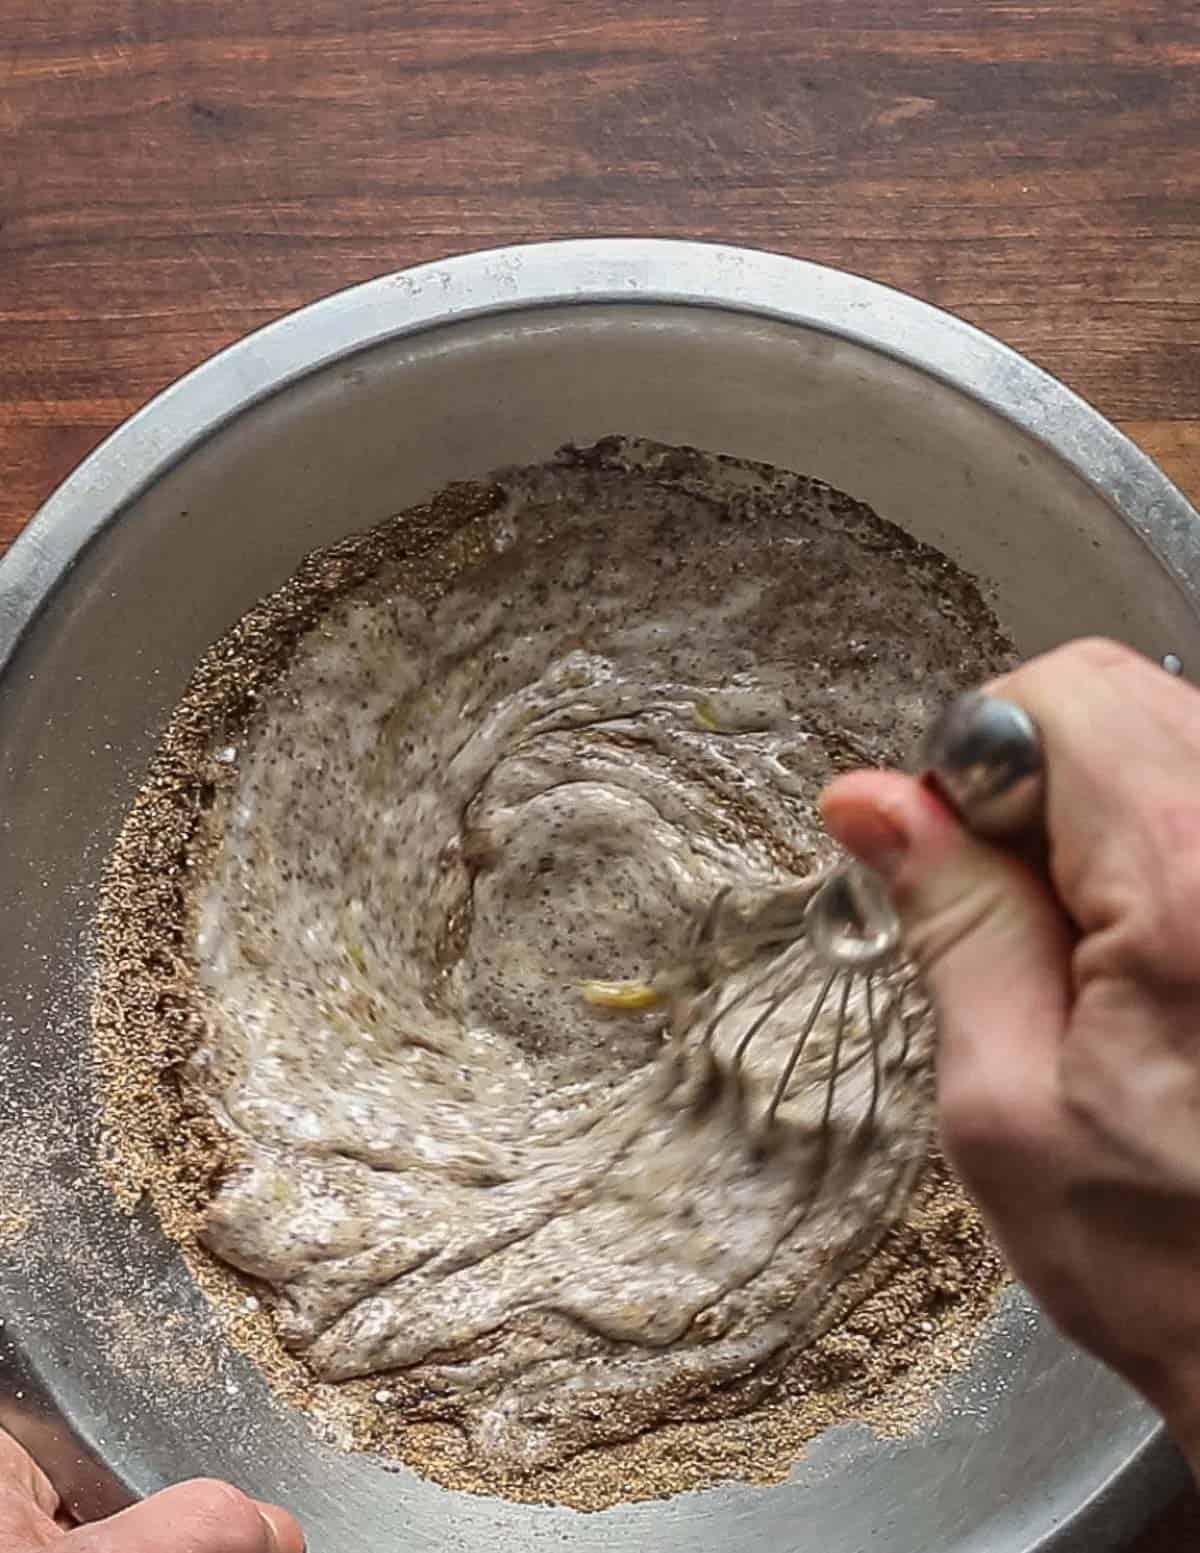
1122,745
204,1516
285,1528
19,1470
24,1525
994,948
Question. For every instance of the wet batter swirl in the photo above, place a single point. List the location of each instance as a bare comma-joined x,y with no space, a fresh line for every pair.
632,675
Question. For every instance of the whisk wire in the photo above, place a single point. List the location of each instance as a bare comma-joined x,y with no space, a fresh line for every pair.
784,976
868,1121
801,1041
835,1056
906,1024
983,758
746,994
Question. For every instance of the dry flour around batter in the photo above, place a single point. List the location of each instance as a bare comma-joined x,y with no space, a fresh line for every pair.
499,745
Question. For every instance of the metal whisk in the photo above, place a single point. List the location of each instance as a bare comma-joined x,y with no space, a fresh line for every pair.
839,934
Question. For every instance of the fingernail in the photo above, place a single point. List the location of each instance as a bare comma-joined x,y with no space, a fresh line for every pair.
284,1534
875,840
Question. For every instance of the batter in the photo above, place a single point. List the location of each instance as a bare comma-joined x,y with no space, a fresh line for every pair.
477,784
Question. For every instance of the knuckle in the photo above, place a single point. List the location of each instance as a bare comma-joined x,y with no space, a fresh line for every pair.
1098,654
975,1127
1171,909
941,917
993,1124
226,1519
1085,657
1086,1103
1163,945
1116,1101
1143,914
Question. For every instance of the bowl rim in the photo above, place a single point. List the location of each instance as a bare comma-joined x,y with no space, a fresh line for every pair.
634,271
586,271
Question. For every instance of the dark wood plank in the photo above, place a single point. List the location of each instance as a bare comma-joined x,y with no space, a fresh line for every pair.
1175,446
174,173
169,179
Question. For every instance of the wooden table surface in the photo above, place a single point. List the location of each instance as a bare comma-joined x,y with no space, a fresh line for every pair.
174,173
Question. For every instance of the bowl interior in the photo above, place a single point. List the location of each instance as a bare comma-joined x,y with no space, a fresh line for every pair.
1032,1430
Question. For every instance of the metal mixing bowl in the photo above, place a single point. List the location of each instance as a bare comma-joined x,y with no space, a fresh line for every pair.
324,423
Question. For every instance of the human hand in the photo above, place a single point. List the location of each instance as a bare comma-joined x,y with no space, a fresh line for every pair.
1069,1007
197,1517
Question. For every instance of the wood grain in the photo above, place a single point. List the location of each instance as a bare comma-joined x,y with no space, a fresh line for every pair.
174,173
168,183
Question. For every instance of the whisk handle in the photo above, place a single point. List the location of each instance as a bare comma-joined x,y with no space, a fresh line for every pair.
983,756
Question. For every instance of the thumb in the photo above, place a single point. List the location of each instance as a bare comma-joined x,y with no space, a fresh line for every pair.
203,1516
991,941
